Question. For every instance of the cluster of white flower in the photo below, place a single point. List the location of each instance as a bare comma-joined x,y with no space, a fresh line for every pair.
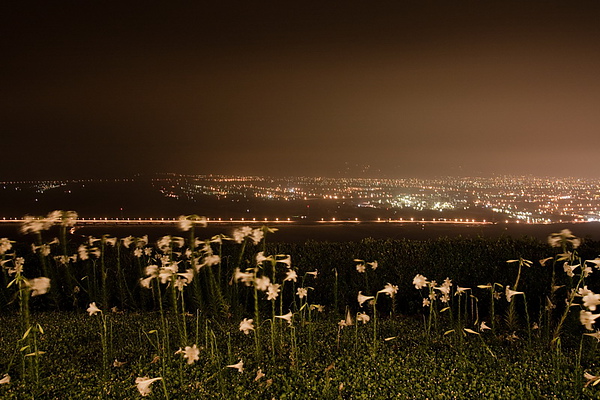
563,239
5,245
361,265
256,235
445,289
186,222
37,224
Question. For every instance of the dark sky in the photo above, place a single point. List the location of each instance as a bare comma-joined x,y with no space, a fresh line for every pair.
419,88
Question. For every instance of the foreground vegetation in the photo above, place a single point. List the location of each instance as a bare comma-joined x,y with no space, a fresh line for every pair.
412,365
236,317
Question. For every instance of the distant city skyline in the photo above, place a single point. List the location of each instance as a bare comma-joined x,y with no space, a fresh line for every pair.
499,199
410,89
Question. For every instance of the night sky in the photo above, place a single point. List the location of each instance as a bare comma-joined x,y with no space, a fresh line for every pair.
419,89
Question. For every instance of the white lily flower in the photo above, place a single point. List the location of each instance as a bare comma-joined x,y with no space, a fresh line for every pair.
239,366
420,281
363,317
143,384
510,293
273,291
389,289
290,275
587,319
39,286
302,292
191,354
287,317
262,283
247,325
93,309
362,298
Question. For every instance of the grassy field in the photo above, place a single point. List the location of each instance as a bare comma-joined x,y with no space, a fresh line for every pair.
412,365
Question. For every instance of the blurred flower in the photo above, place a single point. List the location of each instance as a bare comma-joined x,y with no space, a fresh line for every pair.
389,289
302,292
510,293
569,269
35,224
313,273
426,302
262,283
191,353
461,290
563,238
178,241
595,261
291,275
127,241
188,275
239,366
164,243
483,326
39,286
138,252
62,260
260,258
165,273
545,260
5,379
595,335
360,268
44,250
95,252
247,325
273,291
374,265
363,317
287,260
180,283
118,364
241,233
17,267
5,245
256,236
246,277
445,290
591,379
445,298
362,298
143,385
184,223
587,319
317,307
419,281
259,374
93,309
